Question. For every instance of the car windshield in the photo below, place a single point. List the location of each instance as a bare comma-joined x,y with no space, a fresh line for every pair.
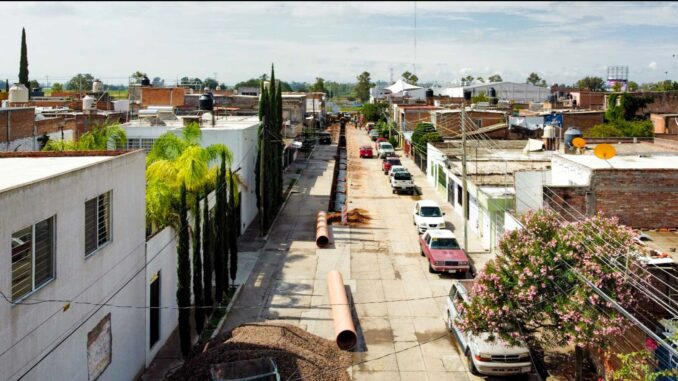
445,243
394,162
399,169
430,211
385,145
402,176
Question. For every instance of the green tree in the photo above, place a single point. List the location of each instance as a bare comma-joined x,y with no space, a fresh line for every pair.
362,88
211,83
632,86
533,290
57,88
373,112
621,128
199,314
495,78
480,79
183,276
467,81
535,79
481,97
23,61
410,78
591,83
233,230
220,245
138,75
101,138
207,251
33,84
81,82
318,86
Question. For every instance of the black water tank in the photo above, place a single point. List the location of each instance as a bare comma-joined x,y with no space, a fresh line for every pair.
145,81
467,95
429,93
493,92
206,102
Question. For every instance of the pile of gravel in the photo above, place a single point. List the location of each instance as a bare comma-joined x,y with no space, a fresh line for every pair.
298,354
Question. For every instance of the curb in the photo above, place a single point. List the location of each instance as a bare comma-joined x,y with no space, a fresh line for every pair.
217,329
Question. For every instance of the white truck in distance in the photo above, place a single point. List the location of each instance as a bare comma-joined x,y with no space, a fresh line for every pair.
385,149
491,358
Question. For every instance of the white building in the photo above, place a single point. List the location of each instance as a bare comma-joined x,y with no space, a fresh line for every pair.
399,90
510,91
238,133
75,229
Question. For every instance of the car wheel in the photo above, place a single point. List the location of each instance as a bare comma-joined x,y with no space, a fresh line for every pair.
430,268
422,253
471,366
394,191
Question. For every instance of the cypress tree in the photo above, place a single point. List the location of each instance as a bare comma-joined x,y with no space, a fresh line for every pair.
233,235
207,253
184,277
263,163
199,314
23,61
217,251
279,161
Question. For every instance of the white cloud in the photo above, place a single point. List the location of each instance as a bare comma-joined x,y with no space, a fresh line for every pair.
652,65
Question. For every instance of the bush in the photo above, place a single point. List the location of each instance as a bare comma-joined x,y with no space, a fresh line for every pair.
393,141
374,112
621,128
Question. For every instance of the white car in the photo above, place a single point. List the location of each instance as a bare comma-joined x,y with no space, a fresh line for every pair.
394,169
491,358
428,215
385,149
402,182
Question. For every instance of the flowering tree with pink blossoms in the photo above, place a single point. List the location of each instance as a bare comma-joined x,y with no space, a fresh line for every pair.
533,290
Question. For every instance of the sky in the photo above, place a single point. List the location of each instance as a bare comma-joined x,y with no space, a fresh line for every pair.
235,41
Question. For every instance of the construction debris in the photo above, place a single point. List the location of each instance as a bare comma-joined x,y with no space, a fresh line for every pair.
297,354
355,216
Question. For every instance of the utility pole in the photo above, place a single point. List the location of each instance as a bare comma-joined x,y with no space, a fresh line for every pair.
464,203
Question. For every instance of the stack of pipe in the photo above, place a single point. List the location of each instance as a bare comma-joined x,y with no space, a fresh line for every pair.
322,237
341,311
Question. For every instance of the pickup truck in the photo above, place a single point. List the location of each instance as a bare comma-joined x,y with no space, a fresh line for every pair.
402,181
394,169
492,358
388,162
441,249
385,149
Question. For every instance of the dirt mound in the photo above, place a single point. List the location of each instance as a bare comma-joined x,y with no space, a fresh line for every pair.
355,216
298,354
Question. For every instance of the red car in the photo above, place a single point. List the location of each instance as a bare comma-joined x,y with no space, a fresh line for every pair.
442,250
366,151
388,162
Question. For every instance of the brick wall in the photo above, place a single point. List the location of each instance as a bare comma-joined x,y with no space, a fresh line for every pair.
16,123
162,96
582,121
448,124
642,199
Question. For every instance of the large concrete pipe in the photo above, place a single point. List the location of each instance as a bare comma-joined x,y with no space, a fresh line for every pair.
341,311
322,237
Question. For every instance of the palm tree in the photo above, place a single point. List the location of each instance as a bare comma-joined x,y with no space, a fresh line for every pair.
101,138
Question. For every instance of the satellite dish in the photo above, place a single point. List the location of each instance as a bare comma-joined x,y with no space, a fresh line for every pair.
604,151
579,142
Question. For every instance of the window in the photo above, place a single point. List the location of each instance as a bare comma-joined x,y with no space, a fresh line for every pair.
445,243
32,258
97,222
431,211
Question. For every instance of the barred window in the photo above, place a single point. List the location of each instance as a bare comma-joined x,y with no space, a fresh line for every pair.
32,258
97,222
133,143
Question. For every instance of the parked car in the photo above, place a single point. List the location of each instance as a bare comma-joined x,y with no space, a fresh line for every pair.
388,162
369,126
324,138
492,358
385,148
366,151
427,215
441,249
402,182
394,169
374,135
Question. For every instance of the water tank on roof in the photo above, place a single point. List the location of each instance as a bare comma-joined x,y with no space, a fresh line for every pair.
570,134
88,102
206,89
206,102
549,131
18,93
145,81
218,88
97,86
